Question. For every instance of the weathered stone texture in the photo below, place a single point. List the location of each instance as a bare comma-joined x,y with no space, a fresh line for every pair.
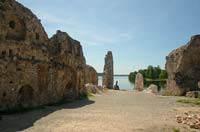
94,89
36,70
20,24
153,88
91,75
108,71
183,68
139,82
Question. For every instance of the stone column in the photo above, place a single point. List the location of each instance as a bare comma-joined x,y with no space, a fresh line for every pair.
108,71
139,82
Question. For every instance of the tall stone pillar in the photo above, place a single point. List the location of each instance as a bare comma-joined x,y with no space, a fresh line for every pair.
108,71
139,82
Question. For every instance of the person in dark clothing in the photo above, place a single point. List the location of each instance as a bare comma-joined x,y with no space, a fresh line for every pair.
116,87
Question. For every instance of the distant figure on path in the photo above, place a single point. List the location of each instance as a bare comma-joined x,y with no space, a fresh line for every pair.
116,87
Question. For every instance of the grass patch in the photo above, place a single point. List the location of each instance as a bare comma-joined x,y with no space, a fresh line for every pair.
190,101
186,101
85,95
155,80
168,94
176,130
197,102
90,95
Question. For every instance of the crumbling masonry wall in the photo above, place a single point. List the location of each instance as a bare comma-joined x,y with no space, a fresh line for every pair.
36,70
91,75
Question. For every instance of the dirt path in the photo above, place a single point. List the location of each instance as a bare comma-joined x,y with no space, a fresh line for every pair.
114,111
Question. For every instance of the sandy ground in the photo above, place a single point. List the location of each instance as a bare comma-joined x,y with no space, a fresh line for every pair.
114,111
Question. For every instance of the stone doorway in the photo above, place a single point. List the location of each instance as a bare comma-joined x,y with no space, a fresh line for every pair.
25,96
70,91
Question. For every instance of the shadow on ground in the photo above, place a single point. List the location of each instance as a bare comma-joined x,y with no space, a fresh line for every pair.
22,121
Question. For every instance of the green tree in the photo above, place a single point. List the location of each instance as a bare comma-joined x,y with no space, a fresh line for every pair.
132,76
142,72
156,72
163,75
150,72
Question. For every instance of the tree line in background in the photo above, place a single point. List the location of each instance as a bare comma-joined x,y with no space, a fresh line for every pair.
151,73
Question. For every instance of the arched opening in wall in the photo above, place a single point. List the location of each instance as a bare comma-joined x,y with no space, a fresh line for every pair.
69,91
3,53
4,94
37,36
17,29
32,58
12,24
10,52
25,96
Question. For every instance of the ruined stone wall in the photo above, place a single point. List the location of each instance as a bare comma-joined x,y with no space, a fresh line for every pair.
20,24
68,51
91,75
108,71
183,68
36,70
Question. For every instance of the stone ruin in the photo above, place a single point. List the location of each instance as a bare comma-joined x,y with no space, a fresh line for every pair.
36,70
139,82
183,67
153,89
91,75
108,71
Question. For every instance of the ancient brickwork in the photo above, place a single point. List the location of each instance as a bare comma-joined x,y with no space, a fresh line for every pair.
108,71
183,68
36,70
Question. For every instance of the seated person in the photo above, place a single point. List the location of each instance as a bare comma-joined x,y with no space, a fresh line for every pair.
116,87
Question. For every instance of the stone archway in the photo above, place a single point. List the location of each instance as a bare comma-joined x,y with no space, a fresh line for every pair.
25,96
69,91
70,84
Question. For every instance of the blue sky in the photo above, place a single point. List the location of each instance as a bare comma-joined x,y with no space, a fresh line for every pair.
139,32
